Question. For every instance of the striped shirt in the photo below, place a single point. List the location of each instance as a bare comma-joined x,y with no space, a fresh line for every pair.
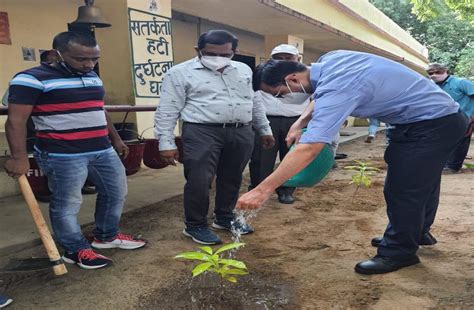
68,110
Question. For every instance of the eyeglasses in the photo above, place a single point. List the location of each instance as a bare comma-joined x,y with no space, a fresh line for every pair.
435,72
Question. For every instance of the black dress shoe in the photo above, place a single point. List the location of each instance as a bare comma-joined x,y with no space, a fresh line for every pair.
427,239
382,264
376,241
286,199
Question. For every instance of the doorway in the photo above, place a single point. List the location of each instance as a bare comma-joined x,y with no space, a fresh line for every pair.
248,60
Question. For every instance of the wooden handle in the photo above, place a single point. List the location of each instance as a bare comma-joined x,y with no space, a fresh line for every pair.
43,230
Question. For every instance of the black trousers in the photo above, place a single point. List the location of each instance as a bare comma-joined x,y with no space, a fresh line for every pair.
213,151
416,156
456,159
262,162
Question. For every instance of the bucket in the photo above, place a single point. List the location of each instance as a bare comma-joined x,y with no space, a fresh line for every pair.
152,158
126,131
151,155
134,159
317,170
38,181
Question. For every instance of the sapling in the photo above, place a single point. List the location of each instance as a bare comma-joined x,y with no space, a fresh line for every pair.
362,173
468,166
227,269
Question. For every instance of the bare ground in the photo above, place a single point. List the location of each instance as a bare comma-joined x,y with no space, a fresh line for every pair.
301,257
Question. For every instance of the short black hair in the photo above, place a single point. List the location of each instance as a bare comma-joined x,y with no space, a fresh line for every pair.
218,37
257,77
63,39
273,72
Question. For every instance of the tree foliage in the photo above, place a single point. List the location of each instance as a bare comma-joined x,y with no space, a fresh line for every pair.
430,9
465,65
449,39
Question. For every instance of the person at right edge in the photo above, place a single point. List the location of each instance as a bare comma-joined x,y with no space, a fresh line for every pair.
462,91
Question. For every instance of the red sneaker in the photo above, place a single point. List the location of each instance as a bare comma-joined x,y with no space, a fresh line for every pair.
121,241
87,259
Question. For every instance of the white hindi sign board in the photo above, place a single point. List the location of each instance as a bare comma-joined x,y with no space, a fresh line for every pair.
152,51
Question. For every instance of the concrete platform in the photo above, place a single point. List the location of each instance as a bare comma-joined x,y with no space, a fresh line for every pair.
146,187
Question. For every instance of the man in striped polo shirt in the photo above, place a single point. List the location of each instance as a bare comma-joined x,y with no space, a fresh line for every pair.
74,139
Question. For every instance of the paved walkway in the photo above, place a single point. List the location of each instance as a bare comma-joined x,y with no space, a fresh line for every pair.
147,187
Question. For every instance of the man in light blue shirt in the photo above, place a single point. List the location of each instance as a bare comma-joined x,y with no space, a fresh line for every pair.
426,125
462,91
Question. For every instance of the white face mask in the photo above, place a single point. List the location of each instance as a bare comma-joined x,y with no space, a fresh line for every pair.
278,95
215,62
295,98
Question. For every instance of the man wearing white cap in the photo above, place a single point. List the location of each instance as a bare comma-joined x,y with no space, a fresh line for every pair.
282,112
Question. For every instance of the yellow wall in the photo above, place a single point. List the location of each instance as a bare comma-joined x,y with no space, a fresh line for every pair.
115,62
376,17
327,12
185,36
184,40
31,25
145,119
311,56
249,44
34,25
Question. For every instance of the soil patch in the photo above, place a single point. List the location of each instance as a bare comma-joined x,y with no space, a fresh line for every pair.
300,257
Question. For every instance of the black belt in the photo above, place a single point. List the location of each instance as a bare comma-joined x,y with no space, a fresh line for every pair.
222,125
281,116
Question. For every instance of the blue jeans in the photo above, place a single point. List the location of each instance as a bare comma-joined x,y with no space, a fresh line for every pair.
66,176
373,125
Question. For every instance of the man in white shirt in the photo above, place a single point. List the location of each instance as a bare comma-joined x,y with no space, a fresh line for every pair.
213,96
282,113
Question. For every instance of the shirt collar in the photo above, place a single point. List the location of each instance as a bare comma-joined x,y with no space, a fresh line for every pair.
197,63
314,74
443,82
447,80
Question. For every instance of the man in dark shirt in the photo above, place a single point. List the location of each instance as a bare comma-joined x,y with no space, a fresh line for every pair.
73,142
